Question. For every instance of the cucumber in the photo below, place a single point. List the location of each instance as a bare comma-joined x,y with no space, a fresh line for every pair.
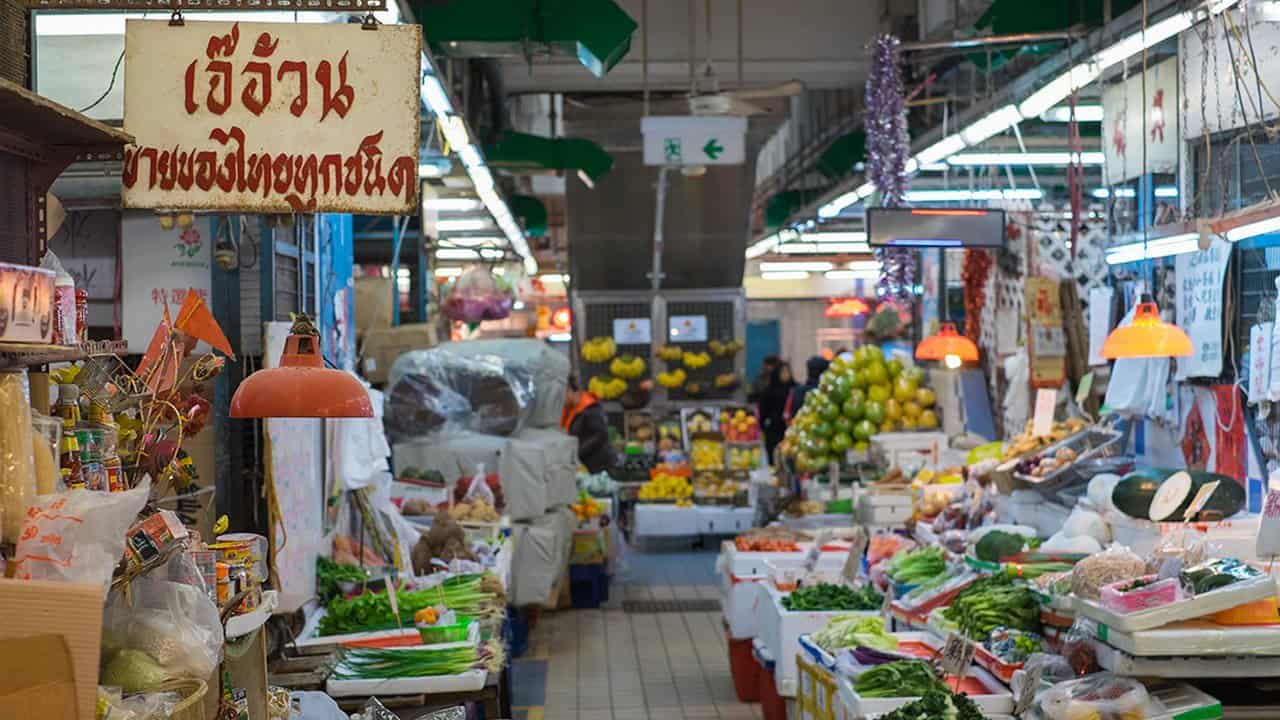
1133,495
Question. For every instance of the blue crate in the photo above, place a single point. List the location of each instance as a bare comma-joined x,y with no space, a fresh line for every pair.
517,630
588,586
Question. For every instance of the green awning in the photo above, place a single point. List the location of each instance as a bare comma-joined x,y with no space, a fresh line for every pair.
1013,17
840,156
597,32
779,208
522,151
531,212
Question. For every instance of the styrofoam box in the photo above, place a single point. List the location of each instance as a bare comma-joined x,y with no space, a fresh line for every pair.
890,447
740,563
468,681
784,569
665,520
310,635
719,520
1195,637
1224,598
1122,663
780,632
884,509
743,603
998,702
817,522
1234,537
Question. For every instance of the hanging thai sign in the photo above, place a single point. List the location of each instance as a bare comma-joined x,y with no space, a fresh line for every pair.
1200,276
1125,132
272,117
1046,340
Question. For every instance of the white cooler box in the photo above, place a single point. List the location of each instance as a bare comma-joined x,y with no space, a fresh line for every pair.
780,632
658,520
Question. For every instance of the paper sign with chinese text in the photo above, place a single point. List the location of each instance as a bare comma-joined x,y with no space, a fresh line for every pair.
1200,276
1045,336
272,117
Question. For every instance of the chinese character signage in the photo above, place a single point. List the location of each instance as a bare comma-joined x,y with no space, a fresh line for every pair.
1124,131
159,267
1200,276
272,117
1046,340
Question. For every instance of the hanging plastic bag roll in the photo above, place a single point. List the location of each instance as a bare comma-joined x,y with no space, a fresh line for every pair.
17,464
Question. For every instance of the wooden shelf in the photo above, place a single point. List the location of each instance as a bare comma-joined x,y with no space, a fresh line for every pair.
27,354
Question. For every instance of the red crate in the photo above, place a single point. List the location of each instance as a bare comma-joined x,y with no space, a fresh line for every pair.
745,669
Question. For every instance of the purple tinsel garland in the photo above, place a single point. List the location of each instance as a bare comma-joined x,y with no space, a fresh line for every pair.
887,148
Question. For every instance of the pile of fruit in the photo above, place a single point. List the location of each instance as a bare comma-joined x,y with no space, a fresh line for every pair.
664,486
599,349
740,426
627,366
607,388
1027,441
710,485
727,348
696,361
855,400
707,454
699,421
744,458
672,379
586,508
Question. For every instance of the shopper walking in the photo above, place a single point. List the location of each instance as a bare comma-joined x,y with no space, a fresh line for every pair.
815,366
584,418
767,366
773,405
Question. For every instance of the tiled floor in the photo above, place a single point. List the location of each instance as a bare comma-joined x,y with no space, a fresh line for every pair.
607,664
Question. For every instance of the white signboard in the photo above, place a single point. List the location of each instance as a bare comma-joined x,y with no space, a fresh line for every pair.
1213,56
97,275
691,140
1259,361
1200,275
687,328
272,117
1124,132
1099,322
158,266
632,331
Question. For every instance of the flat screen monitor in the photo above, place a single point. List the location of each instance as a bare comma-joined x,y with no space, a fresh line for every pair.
935,227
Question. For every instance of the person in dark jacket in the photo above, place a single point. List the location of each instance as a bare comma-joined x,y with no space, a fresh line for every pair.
584,418
815,366
773,404
767,366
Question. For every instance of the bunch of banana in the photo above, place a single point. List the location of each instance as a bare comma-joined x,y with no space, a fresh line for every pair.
726,381
673,379
599,349
607,388
670,353
694,361
725,349
627,366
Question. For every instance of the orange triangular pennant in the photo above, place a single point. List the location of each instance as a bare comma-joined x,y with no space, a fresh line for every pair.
195,319
159,366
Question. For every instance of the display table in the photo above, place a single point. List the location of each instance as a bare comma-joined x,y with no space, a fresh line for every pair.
780,631
660,520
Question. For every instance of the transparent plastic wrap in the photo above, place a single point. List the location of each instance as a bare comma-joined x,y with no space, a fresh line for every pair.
17,464
46,441
77,536
1111,565
439,389
1101,696
478,295
156,630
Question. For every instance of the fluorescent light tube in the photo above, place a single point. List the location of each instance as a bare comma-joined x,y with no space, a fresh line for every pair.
1124,192
1062,113
452,204
835,236
530,265
943,195
448,272
1157,248
492,253
836,206
865,265
1167,191
784,275
429,170
811,248
1153,35
470,156
554,277
434,96
560,337
851,274
462,225
940,150
1027,158
1058,89
766,267
1261,227
987,126
456,254
476,240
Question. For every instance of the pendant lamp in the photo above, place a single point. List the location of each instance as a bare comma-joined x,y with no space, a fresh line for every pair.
301,386
1146,336
949,346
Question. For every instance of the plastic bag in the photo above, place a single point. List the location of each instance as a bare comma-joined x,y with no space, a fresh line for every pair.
439,389
1077,646
1101,696
1115,563
478,295
77,535
175,624
17,465
112,705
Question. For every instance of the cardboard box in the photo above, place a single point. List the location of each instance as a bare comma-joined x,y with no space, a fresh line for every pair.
382,346
26,304
50,638
373,304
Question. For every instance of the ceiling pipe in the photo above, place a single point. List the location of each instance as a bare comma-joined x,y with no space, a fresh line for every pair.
993,41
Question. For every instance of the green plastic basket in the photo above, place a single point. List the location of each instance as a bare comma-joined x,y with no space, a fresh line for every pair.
437,634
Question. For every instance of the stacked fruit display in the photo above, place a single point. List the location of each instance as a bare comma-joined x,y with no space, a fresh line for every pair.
708,454
855,400
744,458
665,486
739,426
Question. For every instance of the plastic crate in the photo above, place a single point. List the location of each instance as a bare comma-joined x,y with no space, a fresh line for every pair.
459,631
745,669
772,705
815,692
588,586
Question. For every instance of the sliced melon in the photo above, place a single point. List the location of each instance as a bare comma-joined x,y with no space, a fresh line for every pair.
1173,493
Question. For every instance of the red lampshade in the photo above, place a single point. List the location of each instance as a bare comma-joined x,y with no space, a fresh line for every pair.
302,386
947,342
1146,336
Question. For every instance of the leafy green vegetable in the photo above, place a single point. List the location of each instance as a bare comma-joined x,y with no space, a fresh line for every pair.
993,602
997,545
916,566
372,611
330,573
847,631
825,596
938,705
904,678
381,664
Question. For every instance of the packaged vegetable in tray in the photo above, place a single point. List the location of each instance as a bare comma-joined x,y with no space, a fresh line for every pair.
1102,696
1148,591
1215,574
825,596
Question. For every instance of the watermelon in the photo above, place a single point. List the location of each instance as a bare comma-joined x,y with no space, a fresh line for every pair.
1134,493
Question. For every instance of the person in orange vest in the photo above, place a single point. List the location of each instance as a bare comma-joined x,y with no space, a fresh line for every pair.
584,418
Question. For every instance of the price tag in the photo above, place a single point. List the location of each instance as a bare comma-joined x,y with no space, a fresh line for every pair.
1084,388
1042,422
815,552
1027,692
957,656
1202,497
853,563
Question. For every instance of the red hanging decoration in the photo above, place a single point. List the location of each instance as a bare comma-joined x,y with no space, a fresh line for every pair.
976,268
